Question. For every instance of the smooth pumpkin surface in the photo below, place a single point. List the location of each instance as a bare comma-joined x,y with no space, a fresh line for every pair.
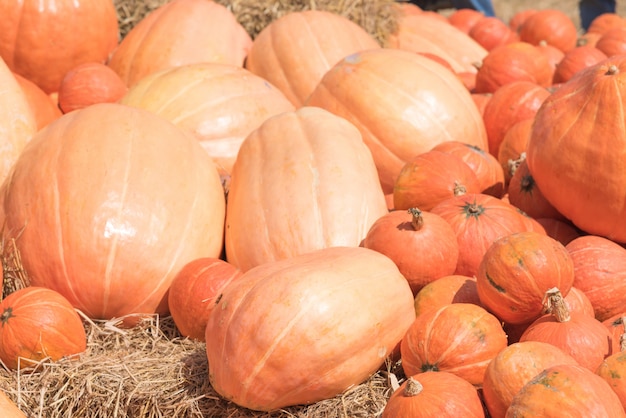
453,288
403,103
42,105
9,408
109,202
180,32
219,103
315,325
294,51
36,324
575,145
42,39
302,181
89,83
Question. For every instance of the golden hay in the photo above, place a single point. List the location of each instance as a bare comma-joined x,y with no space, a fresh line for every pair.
377,17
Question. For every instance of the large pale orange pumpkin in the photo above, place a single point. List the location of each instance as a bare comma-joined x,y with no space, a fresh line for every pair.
180,32
576,146
42,105
38,324
403,103
294,51
42,40
313,326
9,408
302,181
109,202
219,103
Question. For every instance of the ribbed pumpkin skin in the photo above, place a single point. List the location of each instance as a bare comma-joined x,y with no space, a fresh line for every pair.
600,272
566,390
565,156
180,32
460,338
17,120
613,370
403,103
313,325
37,323
294,51
302,181
109,202
517,270
219,103
42,40
90,83
454,288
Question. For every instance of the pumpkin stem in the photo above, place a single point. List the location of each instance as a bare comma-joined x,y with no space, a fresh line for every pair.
612,70
413,387
459,189
622,338
514,164
8,313
417,220
554,303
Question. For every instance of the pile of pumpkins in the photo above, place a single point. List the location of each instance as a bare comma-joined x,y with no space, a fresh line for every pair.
311,203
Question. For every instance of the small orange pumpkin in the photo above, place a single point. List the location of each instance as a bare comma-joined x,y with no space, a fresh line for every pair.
89,83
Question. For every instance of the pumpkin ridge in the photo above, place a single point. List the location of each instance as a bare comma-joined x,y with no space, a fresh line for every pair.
172,97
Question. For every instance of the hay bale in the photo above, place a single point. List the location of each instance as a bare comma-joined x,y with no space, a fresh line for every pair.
377,17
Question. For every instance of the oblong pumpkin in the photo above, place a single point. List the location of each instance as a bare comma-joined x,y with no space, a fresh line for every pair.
302,181
180,32
403,103
219,103
109,202
312,326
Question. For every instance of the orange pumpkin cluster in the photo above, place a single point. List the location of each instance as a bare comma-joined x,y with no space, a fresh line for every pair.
312,203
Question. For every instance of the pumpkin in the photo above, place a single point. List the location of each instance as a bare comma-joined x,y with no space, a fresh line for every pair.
552,26
219,103
512,149
487,167
560,229
600,272
617,327
109,202
38,324
576,333
577,59
453,288
612,42
509,104
464,18
565,134
434,394
403,103
554,54
316,324
431,177
478,220
427,33
294,51
517,270
323,192
180,32
612,370
9,408
566,390
421,244
43,107
89,83
525,194
17,120
460,338
513,367
41,41
512,62
491,31
577,301
193,294
518,18
604,22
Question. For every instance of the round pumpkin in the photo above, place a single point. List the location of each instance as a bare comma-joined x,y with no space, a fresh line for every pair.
219,103
613,371
434,394
526,195
422,245
180,32
403,103
38,324
109,202
460,338
42,41
294,51
464,18
577,59
617,328
193,294
565,158
560,229
517,270
612,42
89,83
44,108
512,149
566,390
315,325
491,31
303,180
552,26
513,367
453,288
606,21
